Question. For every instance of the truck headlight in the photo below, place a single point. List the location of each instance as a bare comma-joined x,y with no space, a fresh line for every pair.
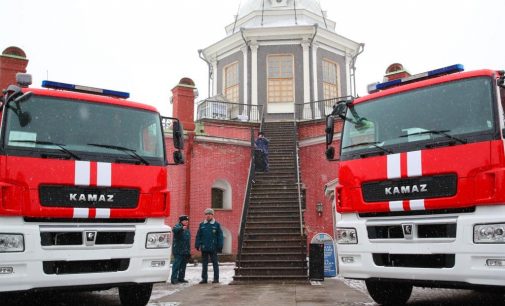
346,235
12,243
158,240
489,233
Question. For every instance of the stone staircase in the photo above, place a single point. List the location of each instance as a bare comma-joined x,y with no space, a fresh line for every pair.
273,249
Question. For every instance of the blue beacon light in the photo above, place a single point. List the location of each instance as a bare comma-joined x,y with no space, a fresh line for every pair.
85,89
416,77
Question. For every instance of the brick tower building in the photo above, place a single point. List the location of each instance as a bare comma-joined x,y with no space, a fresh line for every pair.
280,69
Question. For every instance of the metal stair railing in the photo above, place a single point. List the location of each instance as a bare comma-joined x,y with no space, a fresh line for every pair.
316,110
250,180
221,110
298,182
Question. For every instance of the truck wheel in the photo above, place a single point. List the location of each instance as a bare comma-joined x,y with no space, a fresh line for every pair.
135,295
389,293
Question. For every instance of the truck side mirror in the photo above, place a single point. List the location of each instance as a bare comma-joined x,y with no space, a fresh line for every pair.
340,110
330,153
178,135
178,158
330,129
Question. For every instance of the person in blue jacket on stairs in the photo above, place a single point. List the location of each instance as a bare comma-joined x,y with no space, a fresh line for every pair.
262,144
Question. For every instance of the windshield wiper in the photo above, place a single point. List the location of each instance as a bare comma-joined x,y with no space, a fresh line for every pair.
48,143
128,151
371,143
438,132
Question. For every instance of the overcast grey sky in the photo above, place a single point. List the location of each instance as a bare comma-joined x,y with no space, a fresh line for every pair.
145,47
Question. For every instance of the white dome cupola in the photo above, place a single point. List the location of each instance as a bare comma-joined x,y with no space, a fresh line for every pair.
275,13
283,57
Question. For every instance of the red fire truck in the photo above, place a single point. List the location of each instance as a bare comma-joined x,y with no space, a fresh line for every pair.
421,188
83,191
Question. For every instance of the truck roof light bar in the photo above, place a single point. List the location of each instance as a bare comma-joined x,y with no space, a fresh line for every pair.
85,89
416,77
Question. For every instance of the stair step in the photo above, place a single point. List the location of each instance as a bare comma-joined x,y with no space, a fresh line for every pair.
275,188
274,212
273,215
277,263
273,196
268,231
286,256
269,223
266,236
273,240
284,279
273,201
259,249
276,255
271,271
273,243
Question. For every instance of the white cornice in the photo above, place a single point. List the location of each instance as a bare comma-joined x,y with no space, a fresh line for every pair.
220,140
282,35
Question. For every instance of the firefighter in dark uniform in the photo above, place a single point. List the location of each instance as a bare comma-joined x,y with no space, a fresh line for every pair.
181,250
209,240
262,144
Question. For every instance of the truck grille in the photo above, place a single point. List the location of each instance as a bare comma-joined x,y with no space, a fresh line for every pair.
77,238
435,261
85,266
448,211
88,197
420,231
411,188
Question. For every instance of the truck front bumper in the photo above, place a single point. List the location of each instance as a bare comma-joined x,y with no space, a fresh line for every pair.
424,256
58,262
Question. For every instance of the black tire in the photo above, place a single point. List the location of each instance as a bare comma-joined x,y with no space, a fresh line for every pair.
389,293
135,295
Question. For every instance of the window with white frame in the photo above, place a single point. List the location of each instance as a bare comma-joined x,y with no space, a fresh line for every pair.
221,195
231,83
330,80
281,86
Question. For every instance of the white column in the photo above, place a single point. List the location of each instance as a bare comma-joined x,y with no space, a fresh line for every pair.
314,71
306,71
214,71
245,111
254,72
244,51
317,111
348,73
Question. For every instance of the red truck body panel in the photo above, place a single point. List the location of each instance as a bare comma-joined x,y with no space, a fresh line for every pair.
479,164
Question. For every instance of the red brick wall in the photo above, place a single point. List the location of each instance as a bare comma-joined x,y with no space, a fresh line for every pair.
210,162
242,132
315,129
316,172
9,66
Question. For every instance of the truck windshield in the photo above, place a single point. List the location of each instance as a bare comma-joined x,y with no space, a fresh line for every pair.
60,128
448,114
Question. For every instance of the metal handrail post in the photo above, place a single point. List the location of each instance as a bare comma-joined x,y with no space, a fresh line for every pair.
298,175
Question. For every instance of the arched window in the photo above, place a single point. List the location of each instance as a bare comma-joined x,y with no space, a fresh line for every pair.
217,198
227,240
221,195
